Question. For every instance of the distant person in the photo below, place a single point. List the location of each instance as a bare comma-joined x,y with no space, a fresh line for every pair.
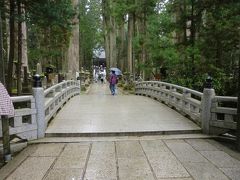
104,75
101,76
113,80
96,74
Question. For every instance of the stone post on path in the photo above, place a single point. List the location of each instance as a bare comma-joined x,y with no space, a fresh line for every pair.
38,93
206,103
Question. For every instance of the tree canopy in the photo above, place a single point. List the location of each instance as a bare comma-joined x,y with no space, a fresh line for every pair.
178,41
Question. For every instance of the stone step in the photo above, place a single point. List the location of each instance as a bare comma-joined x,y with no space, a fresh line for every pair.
120,138
111,134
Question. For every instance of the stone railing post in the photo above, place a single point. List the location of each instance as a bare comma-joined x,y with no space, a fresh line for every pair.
185,104
38,93
79,83
208,95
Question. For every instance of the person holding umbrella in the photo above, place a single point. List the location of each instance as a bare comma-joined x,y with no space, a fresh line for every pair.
113,80
118,72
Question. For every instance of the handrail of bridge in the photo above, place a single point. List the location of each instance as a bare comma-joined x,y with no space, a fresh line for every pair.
190,102
183,99
24,123
57,95
224,112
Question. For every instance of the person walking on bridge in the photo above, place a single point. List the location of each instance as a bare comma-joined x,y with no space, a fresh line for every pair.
113,80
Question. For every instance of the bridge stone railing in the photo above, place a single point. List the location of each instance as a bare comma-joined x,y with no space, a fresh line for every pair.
224,112
24,122
57,95
32,113
215,114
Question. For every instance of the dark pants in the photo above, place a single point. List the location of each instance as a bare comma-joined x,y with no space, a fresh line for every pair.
112,88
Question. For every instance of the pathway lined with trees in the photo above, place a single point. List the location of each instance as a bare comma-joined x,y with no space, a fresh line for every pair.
177,41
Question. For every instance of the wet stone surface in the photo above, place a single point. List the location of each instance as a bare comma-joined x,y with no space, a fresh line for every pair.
99,112
182,159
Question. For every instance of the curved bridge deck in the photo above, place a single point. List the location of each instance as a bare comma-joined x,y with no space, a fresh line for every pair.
99,113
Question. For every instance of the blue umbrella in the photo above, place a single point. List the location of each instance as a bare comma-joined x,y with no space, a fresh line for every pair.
117,71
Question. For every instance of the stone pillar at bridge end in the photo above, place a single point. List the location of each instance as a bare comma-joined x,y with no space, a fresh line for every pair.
206,104
38,93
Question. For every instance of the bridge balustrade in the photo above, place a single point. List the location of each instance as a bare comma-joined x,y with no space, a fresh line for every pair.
224,112
220,118
25,122
57,95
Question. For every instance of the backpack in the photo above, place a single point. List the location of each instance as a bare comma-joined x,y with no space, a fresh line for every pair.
113,79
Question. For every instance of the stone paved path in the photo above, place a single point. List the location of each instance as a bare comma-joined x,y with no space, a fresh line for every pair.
100,112
125,159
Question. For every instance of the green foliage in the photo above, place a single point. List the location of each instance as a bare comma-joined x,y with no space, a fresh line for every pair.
209,47
83,88
49,29
47,13
120,84
189,39
91,35
184,41
128,87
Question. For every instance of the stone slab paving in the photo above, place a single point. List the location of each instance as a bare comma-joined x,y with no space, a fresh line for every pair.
233,173
102,162
65,174
132,161
33,168
163,161
204,170
137,159
100,112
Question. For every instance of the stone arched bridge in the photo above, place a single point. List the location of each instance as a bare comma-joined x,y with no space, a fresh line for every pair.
128,153
178,110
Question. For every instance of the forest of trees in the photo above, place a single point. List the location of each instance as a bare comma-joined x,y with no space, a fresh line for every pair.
47,25
178,41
